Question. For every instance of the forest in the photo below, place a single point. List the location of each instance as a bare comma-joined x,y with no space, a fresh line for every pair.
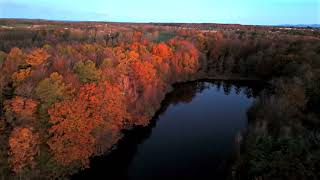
69,90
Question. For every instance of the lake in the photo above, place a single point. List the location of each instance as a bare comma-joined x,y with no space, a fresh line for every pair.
193,136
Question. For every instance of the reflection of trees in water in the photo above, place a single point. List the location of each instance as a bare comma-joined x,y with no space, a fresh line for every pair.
218,84
115,164
248,88
227,88
237,89
184,93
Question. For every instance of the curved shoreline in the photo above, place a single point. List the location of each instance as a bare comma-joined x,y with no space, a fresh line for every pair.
131,133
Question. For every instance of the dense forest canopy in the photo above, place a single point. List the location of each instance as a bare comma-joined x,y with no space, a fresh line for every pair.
68,90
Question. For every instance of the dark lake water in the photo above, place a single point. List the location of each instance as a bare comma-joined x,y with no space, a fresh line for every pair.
191,137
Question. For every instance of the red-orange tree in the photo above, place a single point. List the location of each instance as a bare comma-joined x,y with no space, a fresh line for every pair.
37,57
185,60
162,50
21,111
161,60
143,72
76,123
20,75
23,147
11,64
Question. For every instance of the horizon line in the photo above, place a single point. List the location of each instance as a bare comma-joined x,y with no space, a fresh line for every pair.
162,22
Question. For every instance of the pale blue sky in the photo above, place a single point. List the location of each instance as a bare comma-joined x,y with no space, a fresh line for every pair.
268,12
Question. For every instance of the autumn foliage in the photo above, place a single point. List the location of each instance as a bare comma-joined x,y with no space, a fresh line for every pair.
162,50
143,72
87,72
21,110
185,58
79,88
21,74
87,103
24,107
37,57
23,144
77,122
52,89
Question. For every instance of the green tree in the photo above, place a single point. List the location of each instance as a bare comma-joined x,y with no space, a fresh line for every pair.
3,56
51,89
87,71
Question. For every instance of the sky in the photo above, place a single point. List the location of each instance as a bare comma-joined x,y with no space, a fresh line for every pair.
260,12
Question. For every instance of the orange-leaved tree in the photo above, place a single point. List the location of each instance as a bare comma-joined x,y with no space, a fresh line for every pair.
143,72
11,63
77,123
37,57
23,147
20,75
21,111
162,50
185,60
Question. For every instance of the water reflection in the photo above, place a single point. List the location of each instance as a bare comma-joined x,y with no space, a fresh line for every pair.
192,135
